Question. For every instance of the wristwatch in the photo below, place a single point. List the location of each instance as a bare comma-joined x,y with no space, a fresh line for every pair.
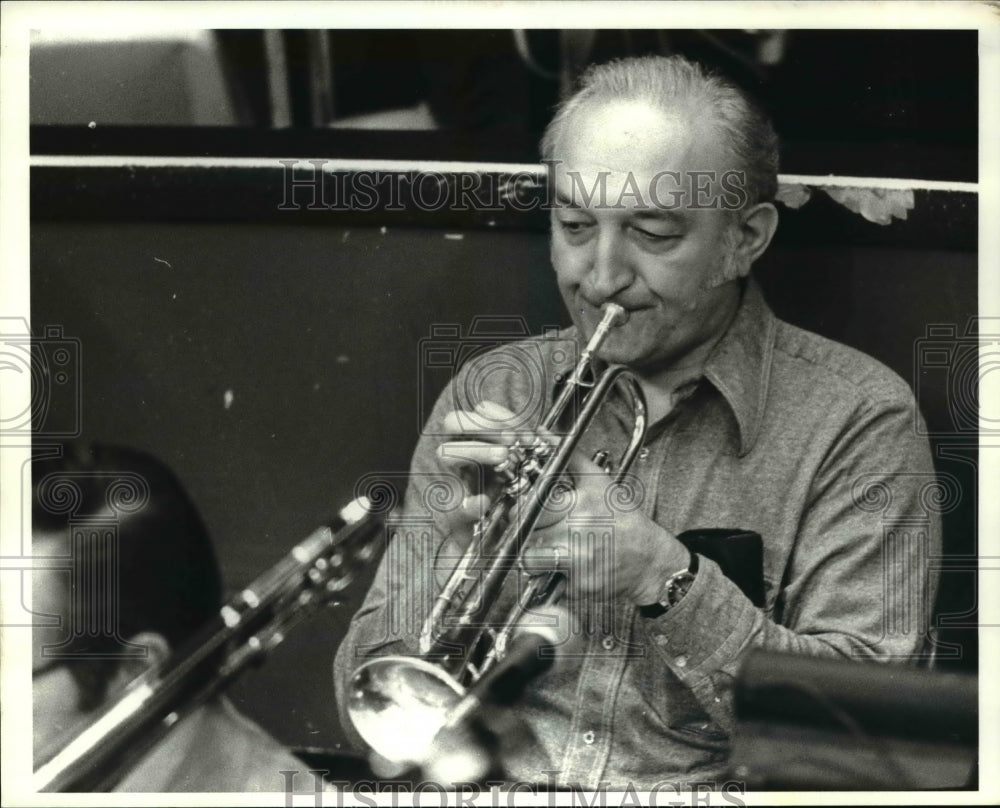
674,588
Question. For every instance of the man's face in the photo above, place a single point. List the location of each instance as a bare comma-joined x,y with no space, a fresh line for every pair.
638,241
55,694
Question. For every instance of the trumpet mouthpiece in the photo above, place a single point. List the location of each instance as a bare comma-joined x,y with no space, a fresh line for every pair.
615,315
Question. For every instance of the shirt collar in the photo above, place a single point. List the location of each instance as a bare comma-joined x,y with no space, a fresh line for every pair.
740,364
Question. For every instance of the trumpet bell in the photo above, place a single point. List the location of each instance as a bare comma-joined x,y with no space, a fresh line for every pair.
399,704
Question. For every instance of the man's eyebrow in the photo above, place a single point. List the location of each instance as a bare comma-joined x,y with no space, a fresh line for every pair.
652,213
567,201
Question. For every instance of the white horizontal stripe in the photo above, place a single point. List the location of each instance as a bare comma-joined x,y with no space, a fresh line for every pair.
328,164
444,167
878,182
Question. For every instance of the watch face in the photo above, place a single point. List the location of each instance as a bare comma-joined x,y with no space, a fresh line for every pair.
674,588
678,586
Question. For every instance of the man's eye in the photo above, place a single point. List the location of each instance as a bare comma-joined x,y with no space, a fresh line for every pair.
572,226
655,237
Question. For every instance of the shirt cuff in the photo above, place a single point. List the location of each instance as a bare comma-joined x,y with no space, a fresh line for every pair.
706,629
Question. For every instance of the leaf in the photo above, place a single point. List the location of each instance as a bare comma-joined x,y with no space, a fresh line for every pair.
793,196
878,205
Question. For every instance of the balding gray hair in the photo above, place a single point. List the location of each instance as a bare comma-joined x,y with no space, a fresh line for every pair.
674,84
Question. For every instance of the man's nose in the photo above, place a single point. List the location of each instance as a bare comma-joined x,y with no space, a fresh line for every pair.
610,272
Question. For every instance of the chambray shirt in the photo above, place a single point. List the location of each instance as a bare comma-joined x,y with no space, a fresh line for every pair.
811,444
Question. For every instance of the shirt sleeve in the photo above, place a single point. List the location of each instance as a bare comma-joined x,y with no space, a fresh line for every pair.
858,584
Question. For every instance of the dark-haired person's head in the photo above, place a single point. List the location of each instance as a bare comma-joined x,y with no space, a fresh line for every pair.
126,573
664,176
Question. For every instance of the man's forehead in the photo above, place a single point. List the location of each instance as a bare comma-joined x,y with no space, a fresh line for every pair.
631,135
625,148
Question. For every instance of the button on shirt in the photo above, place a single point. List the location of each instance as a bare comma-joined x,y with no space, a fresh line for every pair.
811,444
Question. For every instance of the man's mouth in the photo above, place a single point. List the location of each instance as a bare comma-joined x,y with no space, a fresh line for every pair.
596,311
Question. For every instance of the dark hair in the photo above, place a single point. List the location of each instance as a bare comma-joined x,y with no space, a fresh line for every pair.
109,499
674,83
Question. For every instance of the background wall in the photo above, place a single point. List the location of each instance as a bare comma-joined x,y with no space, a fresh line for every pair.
317,332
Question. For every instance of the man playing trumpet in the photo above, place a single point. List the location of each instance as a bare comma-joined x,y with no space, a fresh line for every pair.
664,178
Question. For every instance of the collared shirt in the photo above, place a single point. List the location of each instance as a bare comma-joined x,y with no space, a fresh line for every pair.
811,444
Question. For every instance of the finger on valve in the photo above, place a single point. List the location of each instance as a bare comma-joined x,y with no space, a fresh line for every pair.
544,557
459,453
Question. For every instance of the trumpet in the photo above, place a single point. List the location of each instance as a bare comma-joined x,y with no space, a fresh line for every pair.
399,704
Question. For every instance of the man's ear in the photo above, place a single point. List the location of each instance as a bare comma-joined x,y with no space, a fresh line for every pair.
157,652
757,226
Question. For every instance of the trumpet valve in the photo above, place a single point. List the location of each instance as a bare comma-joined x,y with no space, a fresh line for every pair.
539,454
602,458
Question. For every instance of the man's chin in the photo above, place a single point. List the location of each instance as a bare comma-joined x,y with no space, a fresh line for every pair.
621,352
